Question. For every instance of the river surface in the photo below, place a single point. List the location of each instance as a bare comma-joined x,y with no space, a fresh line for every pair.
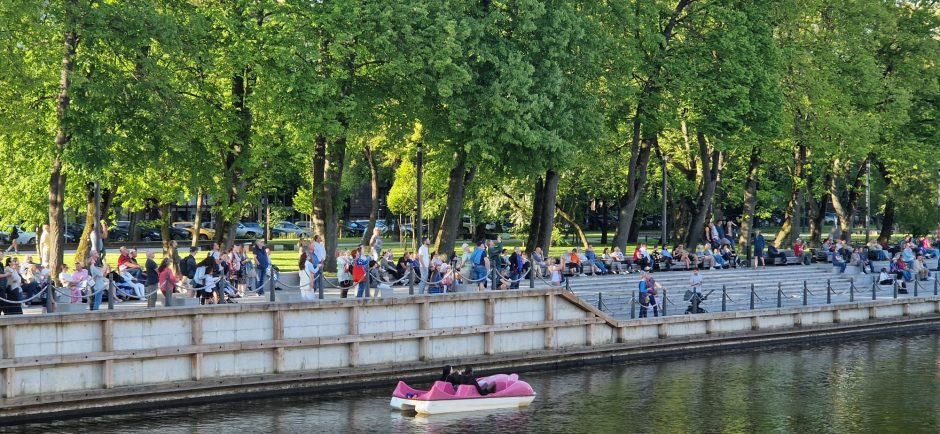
878,385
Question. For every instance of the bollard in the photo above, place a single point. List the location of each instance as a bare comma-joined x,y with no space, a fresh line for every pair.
916,284
599,302
411,279
495,282
805,293
828,291
752,296
168,295
851,289
935,277
50,298
779,295
320,285
874,287
271,284
368,277
724,298
633,305
532,275
895,286
110,294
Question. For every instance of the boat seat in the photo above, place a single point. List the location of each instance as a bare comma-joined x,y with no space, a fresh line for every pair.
467,391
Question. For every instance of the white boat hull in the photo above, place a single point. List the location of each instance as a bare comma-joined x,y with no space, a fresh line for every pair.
402,404
472,404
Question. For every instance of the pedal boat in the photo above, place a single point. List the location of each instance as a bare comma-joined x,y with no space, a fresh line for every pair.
443,398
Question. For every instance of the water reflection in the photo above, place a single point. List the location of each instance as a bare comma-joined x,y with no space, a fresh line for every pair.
867,385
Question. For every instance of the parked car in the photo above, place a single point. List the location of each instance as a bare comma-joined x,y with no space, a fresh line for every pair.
830,219
204,233
25,237
290,228
249,230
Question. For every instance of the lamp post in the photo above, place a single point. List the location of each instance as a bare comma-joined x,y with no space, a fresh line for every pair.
419,236
867,201
665,198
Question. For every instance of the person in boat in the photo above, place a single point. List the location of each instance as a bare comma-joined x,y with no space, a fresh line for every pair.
456,378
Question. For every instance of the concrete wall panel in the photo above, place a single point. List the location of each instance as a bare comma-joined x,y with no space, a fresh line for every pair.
455,347
510,342
316,323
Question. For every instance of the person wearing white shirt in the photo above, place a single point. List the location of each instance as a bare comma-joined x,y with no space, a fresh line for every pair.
424,260
318,248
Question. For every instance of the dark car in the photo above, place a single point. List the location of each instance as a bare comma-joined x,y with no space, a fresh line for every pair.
117,234
354,229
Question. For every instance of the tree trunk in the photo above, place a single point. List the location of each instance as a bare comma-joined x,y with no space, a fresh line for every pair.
887,218
750,197
456,191
604,222
197,219
574,224
327,174
57,178
846,209
133,228
374,203
549,200
790,230
535,222
711,170
636,183
84,241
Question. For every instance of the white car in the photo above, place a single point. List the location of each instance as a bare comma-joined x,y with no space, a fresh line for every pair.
25,237
291,228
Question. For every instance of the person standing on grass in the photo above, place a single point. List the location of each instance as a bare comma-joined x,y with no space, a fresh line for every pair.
424,264
376,243
318,248
44,246
264,262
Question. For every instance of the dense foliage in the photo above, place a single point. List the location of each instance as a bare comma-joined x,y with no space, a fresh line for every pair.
524,108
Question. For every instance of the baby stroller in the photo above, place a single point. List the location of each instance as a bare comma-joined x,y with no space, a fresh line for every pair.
695,300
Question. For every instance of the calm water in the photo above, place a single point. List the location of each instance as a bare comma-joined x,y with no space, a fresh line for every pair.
867,385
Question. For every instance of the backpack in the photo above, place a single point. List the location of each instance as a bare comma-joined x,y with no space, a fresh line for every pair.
479,256
187,268
359,273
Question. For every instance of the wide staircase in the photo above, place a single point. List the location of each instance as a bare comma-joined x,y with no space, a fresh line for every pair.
772,286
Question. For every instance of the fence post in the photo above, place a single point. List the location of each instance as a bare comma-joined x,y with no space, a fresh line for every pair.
320,284
494,281
368,276
724,298
752,296
271,284
828,291
874,287
805,293
599,301
168,294
110,294
895,289
50,298
851,289
411,279
633,305
779,295
665,301
532,266
916,284
935,277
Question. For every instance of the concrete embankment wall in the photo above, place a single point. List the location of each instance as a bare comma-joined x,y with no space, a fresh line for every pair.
83,361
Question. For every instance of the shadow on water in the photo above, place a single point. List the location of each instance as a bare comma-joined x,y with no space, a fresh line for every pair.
884,385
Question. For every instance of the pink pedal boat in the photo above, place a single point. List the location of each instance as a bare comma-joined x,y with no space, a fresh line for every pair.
442,398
